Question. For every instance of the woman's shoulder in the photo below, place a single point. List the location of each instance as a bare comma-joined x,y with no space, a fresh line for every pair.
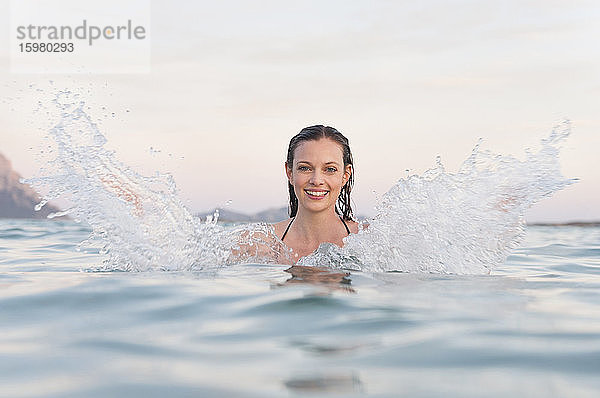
356,226
352,226
279,227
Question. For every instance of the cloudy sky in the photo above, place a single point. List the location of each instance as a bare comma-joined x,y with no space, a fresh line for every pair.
232,81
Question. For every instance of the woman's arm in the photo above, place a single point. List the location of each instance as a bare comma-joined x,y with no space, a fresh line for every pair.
124,191
260,246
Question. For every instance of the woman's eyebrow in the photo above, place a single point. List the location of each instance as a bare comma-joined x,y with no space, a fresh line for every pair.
309,163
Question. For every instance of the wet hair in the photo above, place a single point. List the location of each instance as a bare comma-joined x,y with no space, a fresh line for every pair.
315,133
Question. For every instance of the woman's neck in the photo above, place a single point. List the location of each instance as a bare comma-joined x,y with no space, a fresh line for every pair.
315,227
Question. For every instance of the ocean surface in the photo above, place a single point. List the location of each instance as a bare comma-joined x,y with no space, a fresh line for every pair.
531,328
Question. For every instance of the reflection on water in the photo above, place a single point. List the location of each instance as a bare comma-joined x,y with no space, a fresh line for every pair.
326,278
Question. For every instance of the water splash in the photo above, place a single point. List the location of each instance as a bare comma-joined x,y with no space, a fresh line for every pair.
137,221
465,222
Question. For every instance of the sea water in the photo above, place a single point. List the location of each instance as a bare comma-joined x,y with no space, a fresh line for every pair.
530,328
433,297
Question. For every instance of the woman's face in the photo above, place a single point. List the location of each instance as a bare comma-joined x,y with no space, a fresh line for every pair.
318,174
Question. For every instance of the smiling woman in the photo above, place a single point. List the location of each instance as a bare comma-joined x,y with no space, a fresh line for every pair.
319,168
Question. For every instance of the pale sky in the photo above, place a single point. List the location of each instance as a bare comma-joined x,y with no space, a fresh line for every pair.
231,82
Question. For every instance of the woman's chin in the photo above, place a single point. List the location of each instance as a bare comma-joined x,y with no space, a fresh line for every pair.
316,206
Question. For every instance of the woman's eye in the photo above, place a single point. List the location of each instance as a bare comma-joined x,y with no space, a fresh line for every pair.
331,169
303,168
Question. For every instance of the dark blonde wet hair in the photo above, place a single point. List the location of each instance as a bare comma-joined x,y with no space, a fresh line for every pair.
314,133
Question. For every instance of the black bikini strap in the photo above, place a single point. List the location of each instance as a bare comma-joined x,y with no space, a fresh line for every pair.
345,225
292,220
287,229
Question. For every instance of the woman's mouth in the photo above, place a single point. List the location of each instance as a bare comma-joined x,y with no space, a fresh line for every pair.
316,194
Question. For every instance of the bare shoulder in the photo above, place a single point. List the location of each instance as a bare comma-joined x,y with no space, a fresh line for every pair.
353,226
280,227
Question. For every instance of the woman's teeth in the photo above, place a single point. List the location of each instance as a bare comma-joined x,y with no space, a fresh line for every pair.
317,193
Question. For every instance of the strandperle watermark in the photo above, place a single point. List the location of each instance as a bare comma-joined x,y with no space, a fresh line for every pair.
68,36
84,31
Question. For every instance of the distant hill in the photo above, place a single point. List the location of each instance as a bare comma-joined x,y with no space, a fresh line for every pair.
18,200
273,215
270,215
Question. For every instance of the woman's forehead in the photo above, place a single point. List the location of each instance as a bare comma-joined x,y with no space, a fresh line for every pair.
323,150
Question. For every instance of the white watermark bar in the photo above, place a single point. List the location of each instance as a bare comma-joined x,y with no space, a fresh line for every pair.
74,36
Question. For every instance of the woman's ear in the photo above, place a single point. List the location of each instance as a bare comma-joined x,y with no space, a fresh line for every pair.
288,172
347,173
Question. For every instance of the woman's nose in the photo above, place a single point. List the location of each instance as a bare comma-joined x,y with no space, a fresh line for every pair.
316,178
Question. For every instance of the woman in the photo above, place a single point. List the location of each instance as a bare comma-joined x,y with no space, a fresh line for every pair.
319,169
